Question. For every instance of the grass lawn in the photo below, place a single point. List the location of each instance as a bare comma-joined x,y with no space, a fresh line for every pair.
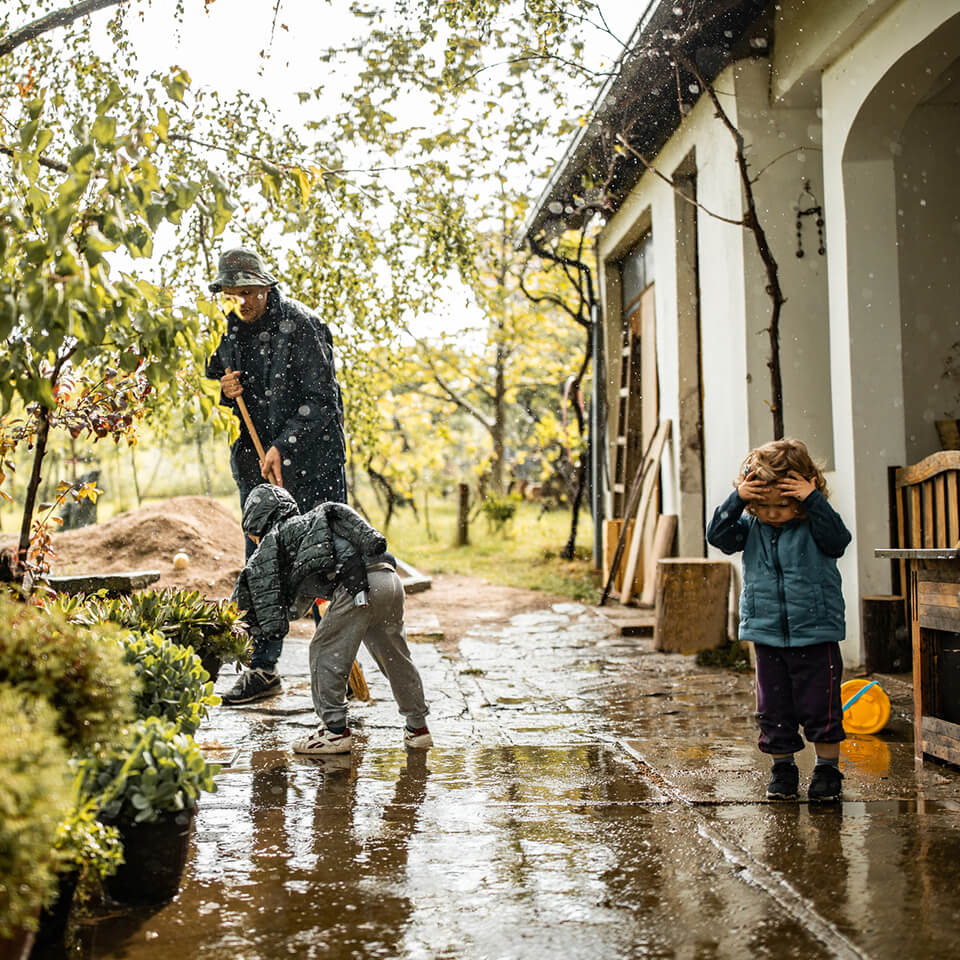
525,554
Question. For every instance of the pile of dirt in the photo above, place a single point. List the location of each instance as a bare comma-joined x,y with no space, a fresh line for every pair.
149,538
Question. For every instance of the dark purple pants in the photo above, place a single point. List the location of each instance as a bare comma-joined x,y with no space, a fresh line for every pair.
798,686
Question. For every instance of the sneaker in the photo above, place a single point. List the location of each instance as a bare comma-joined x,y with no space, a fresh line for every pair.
826,783
324,741
784,782
418,739
252,685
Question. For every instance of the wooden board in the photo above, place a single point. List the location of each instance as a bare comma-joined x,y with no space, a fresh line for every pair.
662,546
650,482
611,533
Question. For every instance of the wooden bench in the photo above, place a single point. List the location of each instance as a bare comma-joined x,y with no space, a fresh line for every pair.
926,507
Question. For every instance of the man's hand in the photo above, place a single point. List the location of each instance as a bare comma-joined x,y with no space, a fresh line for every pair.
230,384
796,486
750,488
270,468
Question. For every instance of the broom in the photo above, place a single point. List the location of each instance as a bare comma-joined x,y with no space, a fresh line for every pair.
357,681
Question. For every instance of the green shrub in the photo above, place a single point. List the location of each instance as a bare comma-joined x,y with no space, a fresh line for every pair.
160,770
212,627
35,795
78,671
86,845
733,655
173,683
499,511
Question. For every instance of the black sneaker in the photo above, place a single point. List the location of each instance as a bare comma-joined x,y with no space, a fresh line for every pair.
826,783
252,685
784,782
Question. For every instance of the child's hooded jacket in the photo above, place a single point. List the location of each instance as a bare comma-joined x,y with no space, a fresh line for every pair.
300,557
792,593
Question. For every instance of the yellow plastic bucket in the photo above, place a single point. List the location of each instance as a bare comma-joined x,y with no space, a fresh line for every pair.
866,706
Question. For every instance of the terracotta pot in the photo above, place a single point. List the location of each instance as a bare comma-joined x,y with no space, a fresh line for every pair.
155,855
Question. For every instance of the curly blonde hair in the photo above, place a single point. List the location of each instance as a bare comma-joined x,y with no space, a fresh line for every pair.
776,459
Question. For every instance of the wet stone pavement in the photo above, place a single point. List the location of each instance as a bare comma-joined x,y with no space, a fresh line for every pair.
586,798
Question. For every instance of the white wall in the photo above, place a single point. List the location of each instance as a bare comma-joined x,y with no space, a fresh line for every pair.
928,221
868,94
652,203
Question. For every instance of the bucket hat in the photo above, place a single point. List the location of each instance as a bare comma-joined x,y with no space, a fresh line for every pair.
241,268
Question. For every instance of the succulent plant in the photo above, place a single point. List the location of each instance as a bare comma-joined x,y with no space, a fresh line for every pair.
159,771
173,683
213,628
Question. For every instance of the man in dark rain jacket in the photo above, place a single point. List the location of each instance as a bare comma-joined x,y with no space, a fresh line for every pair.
280,357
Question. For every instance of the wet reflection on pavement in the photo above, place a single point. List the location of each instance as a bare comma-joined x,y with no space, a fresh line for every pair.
586,798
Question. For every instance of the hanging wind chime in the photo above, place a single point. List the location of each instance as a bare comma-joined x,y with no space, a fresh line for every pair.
812,210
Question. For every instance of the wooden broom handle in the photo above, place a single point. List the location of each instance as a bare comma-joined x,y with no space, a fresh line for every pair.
254,436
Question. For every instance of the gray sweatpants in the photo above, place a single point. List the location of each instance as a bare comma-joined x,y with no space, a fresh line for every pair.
379,626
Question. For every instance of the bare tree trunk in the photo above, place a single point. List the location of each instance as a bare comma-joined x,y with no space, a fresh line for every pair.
582,469
204,472
463,515
136,478
33,486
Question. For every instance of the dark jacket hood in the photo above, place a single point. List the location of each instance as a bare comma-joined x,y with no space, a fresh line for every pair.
267,506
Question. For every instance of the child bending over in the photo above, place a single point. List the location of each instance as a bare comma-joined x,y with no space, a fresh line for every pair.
333,553
791,608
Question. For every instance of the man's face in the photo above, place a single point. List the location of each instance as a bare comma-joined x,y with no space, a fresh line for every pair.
249,302
776,509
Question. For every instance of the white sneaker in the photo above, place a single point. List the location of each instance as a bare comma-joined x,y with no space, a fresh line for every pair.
418,739
323,741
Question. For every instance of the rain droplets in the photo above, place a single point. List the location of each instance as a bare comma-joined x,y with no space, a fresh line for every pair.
304,410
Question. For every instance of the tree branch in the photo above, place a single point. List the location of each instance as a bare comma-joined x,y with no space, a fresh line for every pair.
43,161
57,18
710,213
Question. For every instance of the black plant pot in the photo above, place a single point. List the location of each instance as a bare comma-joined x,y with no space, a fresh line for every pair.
212,664
155,855
53,919
17,945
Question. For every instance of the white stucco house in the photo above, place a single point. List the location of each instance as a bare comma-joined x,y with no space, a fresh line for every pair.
852,106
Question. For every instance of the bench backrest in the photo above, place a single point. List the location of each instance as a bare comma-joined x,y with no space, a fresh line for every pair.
928,502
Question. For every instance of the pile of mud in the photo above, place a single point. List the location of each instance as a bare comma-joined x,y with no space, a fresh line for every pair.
148,539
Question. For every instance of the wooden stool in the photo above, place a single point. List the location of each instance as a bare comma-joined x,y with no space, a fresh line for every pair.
692,601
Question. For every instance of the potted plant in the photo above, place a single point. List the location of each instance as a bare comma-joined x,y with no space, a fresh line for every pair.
212,627
150,790
86,852
34,797
80,681
173,684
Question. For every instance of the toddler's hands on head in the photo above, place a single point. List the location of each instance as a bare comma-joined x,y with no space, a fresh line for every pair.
795,485
750,488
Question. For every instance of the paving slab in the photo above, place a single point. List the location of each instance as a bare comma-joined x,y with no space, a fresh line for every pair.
587,797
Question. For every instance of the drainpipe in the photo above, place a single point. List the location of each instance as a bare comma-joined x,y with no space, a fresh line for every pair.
597,439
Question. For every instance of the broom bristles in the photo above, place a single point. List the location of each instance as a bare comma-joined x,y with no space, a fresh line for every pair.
358,683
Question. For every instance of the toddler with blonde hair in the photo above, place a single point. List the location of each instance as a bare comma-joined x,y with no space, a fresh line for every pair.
791,607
